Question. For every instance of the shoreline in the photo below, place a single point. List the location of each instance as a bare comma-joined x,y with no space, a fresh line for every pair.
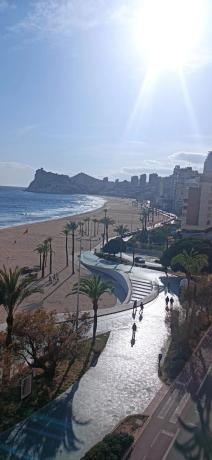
68,216
18,249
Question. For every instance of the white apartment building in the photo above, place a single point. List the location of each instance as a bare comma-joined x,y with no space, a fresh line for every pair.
197,208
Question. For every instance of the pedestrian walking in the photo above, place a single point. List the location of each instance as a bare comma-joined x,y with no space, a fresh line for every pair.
159,358
141,307
134,327
132,341
171,301
167,300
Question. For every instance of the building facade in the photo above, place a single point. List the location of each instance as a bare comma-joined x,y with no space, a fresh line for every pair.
197,208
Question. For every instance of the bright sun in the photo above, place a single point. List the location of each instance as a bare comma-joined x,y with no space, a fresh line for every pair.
168,31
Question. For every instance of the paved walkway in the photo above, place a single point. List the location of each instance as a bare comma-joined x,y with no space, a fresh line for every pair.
157,440
124,381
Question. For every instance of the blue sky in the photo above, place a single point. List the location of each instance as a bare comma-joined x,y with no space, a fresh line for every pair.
71,75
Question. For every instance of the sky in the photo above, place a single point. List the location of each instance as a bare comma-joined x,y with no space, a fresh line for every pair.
98,86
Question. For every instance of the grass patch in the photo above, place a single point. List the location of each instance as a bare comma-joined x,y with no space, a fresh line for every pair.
13,410
131,424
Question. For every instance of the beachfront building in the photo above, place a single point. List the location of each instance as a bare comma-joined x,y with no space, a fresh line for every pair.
197,208
181,179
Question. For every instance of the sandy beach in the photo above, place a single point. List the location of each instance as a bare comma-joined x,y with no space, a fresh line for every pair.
17,246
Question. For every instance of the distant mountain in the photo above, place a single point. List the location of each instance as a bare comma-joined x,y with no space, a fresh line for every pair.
48,182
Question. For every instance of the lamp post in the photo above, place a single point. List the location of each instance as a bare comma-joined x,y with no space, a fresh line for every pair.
78,287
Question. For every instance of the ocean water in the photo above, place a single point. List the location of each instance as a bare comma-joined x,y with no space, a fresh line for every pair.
19,207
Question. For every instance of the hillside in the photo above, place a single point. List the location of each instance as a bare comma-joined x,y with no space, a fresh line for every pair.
48,182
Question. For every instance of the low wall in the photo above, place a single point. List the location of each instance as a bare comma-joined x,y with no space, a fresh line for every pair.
120,278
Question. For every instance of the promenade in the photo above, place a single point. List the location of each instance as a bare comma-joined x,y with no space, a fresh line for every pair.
123,382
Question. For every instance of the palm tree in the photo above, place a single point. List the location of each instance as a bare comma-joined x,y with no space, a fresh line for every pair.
93,287
107,221
44,248
14,288
86,221
143,218
94,226
98,222
72,226
103,239
121,230
80,224
39,250
105,212
192,263
66,232
50,253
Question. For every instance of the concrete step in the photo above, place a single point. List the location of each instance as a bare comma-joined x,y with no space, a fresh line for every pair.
141,293
134,280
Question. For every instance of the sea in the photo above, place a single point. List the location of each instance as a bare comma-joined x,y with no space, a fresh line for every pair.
18,206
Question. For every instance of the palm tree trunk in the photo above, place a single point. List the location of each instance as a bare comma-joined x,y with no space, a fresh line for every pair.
72,252
9,329
40,261
106,233
121,248
103,240
66,251
43,266
45,257
50,258
95,309
97,228
88,227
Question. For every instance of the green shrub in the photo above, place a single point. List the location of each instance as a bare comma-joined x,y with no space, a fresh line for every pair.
112,447
202,246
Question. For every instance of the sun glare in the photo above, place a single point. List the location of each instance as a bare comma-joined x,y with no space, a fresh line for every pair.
168,31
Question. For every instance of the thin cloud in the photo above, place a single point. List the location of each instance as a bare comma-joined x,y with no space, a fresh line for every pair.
189,157
63,16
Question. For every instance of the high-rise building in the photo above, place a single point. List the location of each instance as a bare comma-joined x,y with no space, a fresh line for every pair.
142,181
181,179
134,181
197,209
153,179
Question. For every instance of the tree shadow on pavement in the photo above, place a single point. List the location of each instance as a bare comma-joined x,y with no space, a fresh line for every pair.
195,440
48,432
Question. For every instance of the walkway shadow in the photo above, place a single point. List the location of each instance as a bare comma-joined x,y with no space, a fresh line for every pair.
48,432
171,285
